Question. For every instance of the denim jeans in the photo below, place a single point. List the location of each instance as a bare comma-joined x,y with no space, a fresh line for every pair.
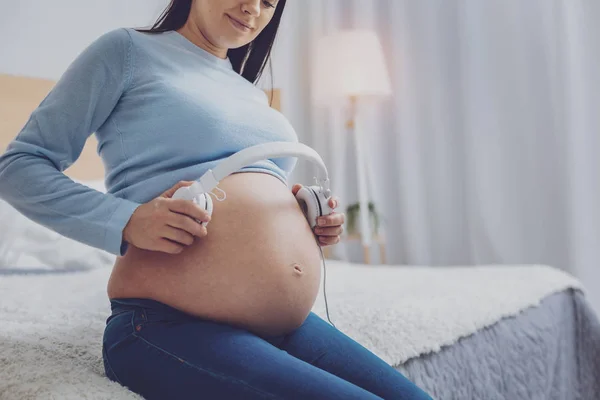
162,353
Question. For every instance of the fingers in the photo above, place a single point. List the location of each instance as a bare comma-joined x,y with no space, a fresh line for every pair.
187,224
329,231
169,193
167,246
333,201
296,188
328,240
188,208
329,228
333,219
178,236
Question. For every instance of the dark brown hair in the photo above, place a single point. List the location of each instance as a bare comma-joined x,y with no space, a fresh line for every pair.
250,60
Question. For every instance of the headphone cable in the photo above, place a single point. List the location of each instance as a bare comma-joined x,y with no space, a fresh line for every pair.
324,283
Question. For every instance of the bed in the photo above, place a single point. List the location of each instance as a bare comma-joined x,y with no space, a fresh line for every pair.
486,332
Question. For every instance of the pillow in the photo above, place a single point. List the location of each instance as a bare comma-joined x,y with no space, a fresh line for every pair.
26,245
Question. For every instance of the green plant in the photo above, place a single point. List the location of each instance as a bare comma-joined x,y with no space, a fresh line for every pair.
353,214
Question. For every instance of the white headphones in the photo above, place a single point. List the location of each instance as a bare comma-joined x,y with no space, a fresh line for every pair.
312,199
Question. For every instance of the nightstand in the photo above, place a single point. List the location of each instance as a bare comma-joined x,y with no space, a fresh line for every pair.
378,239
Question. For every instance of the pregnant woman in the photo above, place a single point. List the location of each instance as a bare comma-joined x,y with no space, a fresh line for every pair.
215,312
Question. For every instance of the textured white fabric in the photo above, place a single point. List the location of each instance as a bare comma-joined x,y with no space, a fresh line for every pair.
402,312
26,245
51,330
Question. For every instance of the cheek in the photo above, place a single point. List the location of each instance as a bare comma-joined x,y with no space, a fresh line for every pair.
206,13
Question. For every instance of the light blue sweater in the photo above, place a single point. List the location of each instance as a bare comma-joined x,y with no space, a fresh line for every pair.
163,110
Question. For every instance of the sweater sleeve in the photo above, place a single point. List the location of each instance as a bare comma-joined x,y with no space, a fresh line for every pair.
31,169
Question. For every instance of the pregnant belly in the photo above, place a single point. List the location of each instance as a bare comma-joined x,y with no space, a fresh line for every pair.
258,267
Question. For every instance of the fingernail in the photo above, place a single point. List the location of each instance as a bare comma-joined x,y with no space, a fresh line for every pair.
321,221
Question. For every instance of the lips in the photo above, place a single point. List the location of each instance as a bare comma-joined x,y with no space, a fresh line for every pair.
239,24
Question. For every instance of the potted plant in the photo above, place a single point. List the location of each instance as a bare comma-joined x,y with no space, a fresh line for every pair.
353,214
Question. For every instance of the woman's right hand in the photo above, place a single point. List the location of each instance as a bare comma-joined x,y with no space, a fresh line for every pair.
166,224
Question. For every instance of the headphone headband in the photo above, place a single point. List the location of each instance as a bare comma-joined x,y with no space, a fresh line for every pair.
250,155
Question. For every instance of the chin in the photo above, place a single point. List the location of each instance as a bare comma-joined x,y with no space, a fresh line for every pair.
235,41
236,44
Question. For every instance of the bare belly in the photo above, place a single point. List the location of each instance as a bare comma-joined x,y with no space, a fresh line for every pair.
258,267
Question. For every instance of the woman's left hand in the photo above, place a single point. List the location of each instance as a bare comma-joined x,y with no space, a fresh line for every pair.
329,227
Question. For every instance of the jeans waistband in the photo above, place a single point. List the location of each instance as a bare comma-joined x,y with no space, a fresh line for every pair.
156,307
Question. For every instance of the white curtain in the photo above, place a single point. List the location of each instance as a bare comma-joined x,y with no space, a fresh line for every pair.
489,150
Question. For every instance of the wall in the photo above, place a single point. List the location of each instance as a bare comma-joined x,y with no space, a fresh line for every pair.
40,38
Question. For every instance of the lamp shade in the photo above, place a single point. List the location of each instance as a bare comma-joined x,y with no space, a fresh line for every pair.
349,63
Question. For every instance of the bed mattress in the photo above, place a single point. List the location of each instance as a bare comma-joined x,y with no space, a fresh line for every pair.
454,338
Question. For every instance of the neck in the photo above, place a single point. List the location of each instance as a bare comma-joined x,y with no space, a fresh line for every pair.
194,34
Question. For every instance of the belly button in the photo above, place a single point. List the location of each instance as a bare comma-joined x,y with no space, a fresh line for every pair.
297,268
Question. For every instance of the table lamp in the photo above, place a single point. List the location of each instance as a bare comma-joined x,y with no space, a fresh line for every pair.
348,67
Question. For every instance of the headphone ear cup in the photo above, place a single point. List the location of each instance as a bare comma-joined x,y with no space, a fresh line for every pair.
323,200
313,203
209,206
205,202
183,193
309,204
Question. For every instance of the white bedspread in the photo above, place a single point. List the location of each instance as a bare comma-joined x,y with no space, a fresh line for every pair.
51,325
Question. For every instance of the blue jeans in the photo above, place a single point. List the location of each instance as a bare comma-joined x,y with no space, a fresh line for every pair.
162,353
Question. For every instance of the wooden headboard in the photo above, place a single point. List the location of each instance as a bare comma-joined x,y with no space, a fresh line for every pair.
19,96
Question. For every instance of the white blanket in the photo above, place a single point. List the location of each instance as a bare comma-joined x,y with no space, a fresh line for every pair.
51,325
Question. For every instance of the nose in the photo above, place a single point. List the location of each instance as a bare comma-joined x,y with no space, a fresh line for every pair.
251,7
